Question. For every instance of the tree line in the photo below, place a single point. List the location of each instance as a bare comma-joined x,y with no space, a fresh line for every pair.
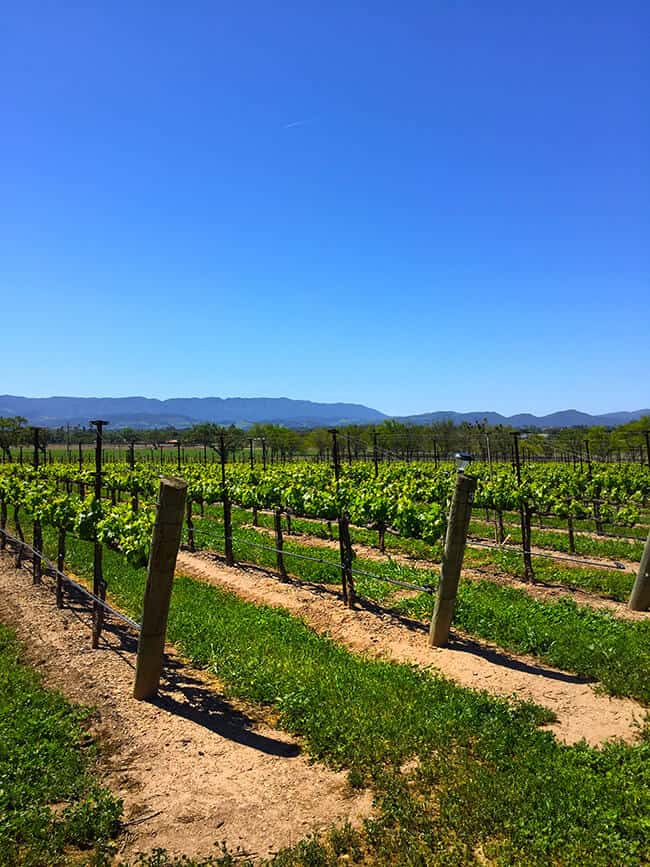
389,440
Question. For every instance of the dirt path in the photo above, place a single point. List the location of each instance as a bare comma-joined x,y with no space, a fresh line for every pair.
542,592
192,768
582,713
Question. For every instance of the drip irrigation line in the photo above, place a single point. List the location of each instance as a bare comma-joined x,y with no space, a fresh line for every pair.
614,565
54,572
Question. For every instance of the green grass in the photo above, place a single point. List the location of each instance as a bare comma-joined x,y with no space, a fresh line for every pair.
488,784
593,644
46,759
586,546
590,643
612,583
576,638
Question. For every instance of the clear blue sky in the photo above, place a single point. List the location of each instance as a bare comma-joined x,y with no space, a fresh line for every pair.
414,205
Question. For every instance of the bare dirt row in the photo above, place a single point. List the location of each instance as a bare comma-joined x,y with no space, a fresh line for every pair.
192,767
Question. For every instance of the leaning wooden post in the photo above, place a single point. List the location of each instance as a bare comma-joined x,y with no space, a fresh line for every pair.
452,559
640,597
165,542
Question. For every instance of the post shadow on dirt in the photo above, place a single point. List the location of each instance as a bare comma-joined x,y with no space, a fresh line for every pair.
476,648
206,708
199,704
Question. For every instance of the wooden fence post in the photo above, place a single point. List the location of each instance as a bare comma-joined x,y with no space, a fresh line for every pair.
165,542
452,560
640,597
279,543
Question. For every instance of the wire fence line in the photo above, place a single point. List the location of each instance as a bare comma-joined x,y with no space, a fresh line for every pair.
547,555
54,572
407,585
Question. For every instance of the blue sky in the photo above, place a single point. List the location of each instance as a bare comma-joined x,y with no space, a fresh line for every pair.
416,206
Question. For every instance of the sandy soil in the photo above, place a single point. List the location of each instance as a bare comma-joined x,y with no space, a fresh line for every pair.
582,712
192,767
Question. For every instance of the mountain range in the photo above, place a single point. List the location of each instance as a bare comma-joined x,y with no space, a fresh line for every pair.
144,412
563,418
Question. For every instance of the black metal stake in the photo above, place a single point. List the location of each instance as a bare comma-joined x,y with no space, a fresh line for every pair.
99,585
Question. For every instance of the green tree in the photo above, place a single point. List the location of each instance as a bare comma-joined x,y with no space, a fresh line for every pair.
12,433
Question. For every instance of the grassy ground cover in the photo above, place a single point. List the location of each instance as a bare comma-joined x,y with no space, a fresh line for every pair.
488,784
591,643
579,639
585,525
46,760
556,541
613,583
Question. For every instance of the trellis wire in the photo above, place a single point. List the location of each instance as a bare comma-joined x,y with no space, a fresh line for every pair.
493,546
405,584
54,572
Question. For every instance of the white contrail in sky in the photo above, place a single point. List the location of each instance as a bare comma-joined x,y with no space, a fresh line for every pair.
297,123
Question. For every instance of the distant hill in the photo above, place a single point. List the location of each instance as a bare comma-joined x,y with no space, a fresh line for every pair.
144,412
564,418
